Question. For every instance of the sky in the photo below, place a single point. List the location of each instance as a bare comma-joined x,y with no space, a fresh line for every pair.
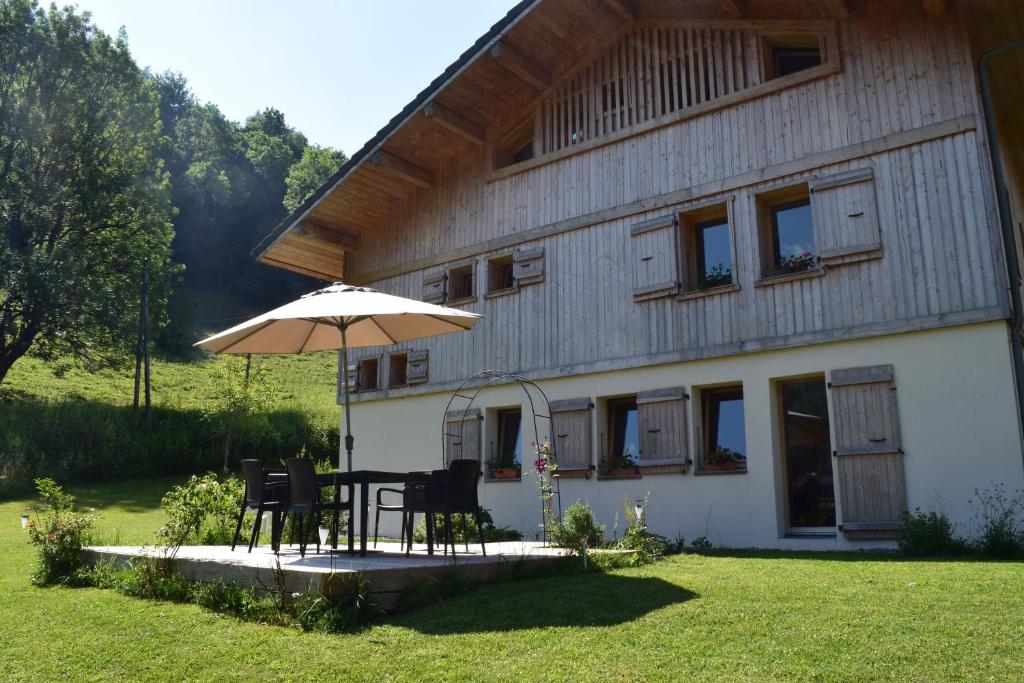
338,70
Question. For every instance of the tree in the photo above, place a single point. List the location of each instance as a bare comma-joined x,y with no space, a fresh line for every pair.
310,172
83,198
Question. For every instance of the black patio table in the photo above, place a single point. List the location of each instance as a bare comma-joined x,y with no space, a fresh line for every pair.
364,478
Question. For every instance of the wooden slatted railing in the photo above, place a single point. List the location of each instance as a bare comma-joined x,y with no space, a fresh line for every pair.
649,72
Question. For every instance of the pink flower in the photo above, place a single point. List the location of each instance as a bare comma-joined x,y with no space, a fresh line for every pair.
540,464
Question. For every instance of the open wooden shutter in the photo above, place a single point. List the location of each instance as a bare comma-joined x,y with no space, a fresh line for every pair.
462,435
869,459
571,433
846,217
434,289
662,422
655,258
416,368
528,266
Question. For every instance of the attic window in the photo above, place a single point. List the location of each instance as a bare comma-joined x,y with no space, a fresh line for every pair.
500,274
785,55
516,146
397,363
460,283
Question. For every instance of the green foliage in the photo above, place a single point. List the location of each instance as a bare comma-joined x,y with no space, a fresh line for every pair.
929,534
341,606
202,511
242,398
702,545
720,274
310,172
998,516
577,527
59,535
83,198
464,529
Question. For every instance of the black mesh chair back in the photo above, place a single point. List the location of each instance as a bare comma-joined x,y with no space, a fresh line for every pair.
254,482
303,492
460,491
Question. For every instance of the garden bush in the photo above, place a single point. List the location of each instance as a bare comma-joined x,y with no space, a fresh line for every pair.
577,527
926,534
203,511
1001,535
59,534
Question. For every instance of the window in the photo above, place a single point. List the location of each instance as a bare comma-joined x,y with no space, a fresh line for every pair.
707,248
516,146
784,55
787,231
623,435
506,450
397,363
725,435
367,369
807,455
460,283
500,274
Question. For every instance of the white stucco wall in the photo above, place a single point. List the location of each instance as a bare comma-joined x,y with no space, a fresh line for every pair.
956,407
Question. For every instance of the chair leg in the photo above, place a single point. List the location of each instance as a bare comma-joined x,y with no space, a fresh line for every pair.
376,527
256,527
238,527
316,529
480,532
302,536
448,534
408,528
402,544
465,530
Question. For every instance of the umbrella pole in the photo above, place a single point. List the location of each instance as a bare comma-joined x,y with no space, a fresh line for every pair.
349,441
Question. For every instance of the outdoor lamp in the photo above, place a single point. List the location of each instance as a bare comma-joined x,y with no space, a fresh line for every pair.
639,509
24,521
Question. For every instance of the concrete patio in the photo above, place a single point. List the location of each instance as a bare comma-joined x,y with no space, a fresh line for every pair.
387,569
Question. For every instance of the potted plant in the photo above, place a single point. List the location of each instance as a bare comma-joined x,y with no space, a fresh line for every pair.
718,276
723,458
619,465
798,263
504,466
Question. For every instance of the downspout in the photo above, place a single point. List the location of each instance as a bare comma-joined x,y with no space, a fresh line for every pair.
1005,222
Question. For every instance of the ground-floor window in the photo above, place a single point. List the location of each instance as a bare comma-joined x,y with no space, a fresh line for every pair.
623,434
725,434
807,455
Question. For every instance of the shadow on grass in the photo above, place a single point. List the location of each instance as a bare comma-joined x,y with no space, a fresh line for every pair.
571,601
142,495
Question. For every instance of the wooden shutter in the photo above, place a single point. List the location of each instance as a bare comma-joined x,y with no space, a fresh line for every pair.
528,266
462,435
571,433
416,368
846,217
662,422
655,258
434,288
869,460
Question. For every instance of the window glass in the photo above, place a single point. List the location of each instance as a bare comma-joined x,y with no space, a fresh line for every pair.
793,235
509,450
725,434
810,495
714,257
625,430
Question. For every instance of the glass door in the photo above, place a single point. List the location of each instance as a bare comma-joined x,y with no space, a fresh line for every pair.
807,457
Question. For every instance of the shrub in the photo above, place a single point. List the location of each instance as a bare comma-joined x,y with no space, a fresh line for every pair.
1002,536
59,534
577,527
928,534
203,511
702,544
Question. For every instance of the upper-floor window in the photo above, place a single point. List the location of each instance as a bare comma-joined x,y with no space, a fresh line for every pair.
460,283
500,273
784,55
707,248
786,229
397,366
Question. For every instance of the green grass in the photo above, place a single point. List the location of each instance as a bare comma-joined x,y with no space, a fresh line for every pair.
739,616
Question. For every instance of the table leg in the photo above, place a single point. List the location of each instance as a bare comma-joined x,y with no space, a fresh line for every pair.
429,518
351,521
337,514
364,491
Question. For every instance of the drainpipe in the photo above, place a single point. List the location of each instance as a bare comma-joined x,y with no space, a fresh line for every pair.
1006,222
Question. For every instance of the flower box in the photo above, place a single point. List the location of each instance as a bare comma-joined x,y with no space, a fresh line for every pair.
630,472
505,472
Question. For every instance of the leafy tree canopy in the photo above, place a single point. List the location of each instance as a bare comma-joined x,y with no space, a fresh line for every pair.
310,172
83,197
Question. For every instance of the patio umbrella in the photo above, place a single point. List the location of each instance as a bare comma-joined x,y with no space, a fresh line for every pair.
340,317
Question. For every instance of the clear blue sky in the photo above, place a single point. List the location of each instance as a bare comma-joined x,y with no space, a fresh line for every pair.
338,70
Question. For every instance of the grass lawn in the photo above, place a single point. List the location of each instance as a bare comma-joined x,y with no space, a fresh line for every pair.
739,616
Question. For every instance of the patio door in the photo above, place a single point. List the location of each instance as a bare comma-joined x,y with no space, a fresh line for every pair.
810,497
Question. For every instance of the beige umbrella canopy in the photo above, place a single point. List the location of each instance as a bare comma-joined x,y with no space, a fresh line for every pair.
340,317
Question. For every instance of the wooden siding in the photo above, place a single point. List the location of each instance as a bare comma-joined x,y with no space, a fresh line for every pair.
902,107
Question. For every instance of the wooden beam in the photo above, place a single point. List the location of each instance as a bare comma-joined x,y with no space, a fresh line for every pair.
323,233
733,8
935,8
275,263
402,169
522,67
837,8
619,8
455,122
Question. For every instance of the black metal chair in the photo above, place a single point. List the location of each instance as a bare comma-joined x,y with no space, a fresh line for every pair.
381,507
304,499
259,496
451,491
